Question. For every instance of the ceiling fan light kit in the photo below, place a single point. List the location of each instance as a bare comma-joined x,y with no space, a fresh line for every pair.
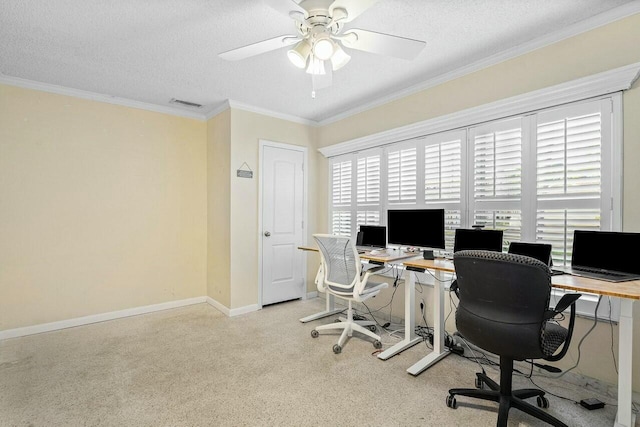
319,24
339,58
323,47
300,53
316,66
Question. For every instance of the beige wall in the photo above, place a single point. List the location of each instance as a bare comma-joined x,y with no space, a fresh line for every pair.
102,207
247,129
218,208
599,50
589,53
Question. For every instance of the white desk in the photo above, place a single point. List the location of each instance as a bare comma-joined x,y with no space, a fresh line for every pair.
628,292
440,266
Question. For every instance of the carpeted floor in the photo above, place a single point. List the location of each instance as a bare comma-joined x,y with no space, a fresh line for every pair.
193,366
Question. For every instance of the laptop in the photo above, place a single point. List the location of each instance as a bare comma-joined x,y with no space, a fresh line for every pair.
605,255
371,237
539,251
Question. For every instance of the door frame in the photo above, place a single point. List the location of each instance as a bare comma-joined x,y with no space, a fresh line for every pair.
305,202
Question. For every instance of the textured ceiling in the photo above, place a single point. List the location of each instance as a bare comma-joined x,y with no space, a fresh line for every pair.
151,51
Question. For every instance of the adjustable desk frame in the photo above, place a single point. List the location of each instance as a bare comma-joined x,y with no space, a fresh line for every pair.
628,292
410,339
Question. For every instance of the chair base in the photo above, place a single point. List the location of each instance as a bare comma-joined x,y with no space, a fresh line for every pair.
348,327
505,396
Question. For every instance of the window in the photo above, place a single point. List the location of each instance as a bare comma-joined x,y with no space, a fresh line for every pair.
569,167
537,177
402,175
497,178
341,180
368,176
443,179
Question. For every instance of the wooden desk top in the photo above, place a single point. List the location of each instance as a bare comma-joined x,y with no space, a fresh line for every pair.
393,255
630,289
439,264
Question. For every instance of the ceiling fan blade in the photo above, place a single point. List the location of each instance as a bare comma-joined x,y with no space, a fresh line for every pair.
258,48
354,8
382,44
286,6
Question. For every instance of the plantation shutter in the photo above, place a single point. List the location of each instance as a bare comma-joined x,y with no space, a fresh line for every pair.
341,195
568,175
368,188
497,178
442,171
443,179
341,183
402,174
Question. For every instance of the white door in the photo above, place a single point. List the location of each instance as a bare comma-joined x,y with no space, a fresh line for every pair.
282,224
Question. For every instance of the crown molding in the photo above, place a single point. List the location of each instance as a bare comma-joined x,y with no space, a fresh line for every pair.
604,18
599,84
592,23
93,96
270,113
222,107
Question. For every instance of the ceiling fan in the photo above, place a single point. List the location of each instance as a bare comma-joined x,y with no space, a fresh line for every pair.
321,36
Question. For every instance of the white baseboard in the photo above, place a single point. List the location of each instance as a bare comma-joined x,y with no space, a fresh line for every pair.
311,295
234,311
95,318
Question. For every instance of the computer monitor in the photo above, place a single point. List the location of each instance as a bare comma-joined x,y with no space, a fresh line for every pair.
606,250
489,240
374,236
539,251
423,228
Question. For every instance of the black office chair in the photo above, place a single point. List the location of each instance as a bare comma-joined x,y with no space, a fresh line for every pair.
504,309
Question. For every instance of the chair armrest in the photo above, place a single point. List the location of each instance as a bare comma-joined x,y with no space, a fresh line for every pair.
567,300
564,303
368,273
374,270
455,288
320,279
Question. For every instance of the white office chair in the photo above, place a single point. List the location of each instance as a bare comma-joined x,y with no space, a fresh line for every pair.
340,274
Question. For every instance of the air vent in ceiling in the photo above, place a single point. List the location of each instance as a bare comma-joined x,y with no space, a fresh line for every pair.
185,103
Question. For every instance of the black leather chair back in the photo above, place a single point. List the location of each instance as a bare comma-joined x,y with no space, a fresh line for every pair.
503,300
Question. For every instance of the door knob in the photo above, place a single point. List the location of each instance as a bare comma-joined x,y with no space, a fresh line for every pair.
267,234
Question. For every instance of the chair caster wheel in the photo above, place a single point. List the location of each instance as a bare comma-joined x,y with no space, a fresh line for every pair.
337,349
451,402
372,328
543,402
314,334
377,344
479,383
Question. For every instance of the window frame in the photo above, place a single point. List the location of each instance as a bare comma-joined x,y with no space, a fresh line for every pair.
611,176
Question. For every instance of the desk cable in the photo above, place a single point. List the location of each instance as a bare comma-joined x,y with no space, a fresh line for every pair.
595,323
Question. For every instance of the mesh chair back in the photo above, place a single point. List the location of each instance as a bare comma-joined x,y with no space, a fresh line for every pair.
340,260
503,300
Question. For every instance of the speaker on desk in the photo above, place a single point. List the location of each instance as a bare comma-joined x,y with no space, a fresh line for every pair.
428,255
359,238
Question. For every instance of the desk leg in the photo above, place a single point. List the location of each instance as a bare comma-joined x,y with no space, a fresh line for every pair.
439,350
330,309
410,338
625,418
